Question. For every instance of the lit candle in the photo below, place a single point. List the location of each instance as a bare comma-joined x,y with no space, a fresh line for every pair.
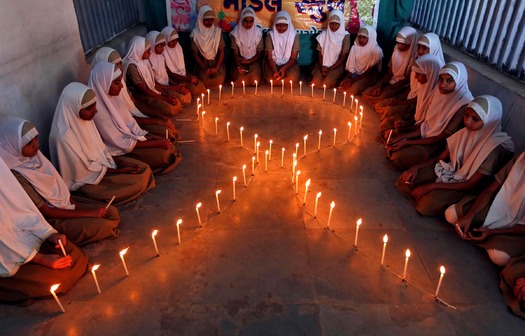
349,131
266,161
179,222
356,106
389,136
62,247
202,114
197,207
294,164
344,99
198,106
297,181
216,126
319,142
255,136
282,87
359,222
385,240
218,203
332,205
233,88
253,165
271,87
300,88
208,96
257,152
313,90
233,184
93,270
153,235
243,89
335,92
324,91
240,131
335,135
202,99
220,91
407,255
291,88
306,191
282,157
361,116
296,149
244,174
113,198
270,151
355,126
351,102
442,271
52,290
121,253
256,87
304,142
228,131
316,203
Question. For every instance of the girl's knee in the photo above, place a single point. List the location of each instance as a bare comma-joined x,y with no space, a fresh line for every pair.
498,257
451,214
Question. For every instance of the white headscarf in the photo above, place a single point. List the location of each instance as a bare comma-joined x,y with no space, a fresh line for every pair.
402,60
75,144
330,42
362,58
468,149
428,65
36,169
174,57
116,126
206,39
508,208
103,55
136,49
247,39
157,61
23,229
443,106
282,43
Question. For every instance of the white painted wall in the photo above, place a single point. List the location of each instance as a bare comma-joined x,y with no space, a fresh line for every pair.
40,53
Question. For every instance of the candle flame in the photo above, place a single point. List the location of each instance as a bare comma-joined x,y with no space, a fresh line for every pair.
255,82
297,145
208,90
266,152
258,143
355,118
220,86
282,81
290,82
349,124
200,105
216,119
385,239
271,141
253,158
198,100
123,251
313,85
255,135
54,287
307,183
298,172
295,163
320,132
231,83
94,268
271,81
361,107
234,178
203,113
198,205
324,85
335,130
407,253
305,137
359,221
318,195
242,82
352,96
356,100
282,149
218,192
300,82
344,93
154,233
243,167
335,89
332,205
442,269
179,222
228,123
361,113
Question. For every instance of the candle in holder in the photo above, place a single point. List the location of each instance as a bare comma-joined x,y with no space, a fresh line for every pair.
356,106
240,131
256,87
220,91
62,247
270,151
218,203
266,161
385,240
271,87
216,126
335,135
243,89
304,142
228,131
316,203
197,207
257,152
349,131
291,88
202,99
282,157
319,142
407,255
52,290
121,253
306,191
335,92
344,99
282,87
233,184
297,181
324,91
253,165
153,235
313,90
442,271
332,206
208,96
296,149
255,136
244,174
93,270
179,222
233,87
359,222
300,88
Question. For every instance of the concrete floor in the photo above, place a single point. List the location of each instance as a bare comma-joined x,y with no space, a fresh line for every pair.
265,266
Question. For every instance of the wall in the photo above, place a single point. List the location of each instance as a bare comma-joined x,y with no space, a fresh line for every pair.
40,54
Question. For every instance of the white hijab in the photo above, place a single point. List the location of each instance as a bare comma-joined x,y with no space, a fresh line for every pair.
136,49
156,61
174,57
206,39
428,65
362,58
116,126
75,144
22,229
508,208
103,55
331,43
402,60
443,106
37,169
247,39
282,43
468,149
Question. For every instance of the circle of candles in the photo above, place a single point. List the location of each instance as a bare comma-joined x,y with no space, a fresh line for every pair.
233,183
218,203
296,149
282,87
233,88
257,151
332,206
220,91
335,93
253,165
266,161
93,270
62,247
208,96
282,157
407,255
344,99
240,131
52,290
155,241
228,131
179,222
121,253
313,90
270,151
385,240
324,91
244,174
256,88
243,89
307,184
255,136
300,88
216,126
335,135
304,142
442,274
316,203
358,224
319,142
198,213
271,87
291,88
297,181
349,131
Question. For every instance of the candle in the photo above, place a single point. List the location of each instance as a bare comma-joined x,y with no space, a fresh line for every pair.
291,88
316,203
256,87
356,106
266,161
197,207
282,157
113,198
344,99
297,181
243,89
355,126
271,87
294,164
335,135
202,99
240,131
62,247
216,126
167,137
228,131
233,88
319,142
300,88
407,255
361,117
324,91
332,205
351,102
253,165
179,222
52,290
218,203
270,151
385,240
198,106
358,224
313,90
304,142
349,131
202,114
255,136
282,87
121,253
306,191
244,174
220,91
257,152
442,271
153,235
335,92
296,148
208,96
389,136
93,270
233,183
